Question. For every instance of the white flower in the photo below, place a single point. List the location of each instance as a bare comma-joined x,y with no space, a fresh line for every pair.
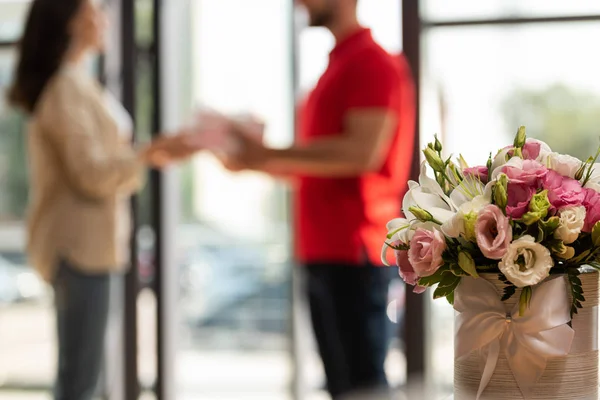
469,188
572,220
456,226
500,159
526,263
564,164
428,195
594,182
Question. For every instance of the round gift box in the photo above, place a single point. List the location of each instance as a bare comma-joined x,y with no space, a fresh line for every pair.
573,377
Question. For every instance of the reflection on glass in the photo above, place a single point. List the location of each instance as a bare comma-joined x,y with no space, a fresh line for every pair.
490,80
439,10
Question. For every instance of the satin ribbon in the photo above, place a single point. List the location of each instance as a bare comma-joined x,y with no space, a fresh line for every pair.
528,341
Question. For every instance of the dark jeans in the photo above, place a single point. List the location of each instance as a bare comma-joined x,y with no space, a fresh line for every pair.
82,311
348,305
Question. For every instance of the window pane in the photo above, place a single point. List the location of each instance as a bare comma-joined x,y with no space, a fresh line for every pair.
27,349
232,244
439,10
490,80
12,16
383,17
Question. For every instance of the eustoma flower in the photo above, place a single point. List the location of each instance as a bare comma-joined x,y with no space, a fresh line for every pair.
493,232
425,253
526,262
572,220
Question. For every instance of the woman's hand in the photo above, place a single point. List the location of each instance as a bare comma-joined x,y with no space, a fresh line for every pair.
167,150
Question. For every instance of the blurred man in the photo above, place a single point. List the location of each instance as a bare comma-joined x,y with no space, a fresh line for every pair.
352,162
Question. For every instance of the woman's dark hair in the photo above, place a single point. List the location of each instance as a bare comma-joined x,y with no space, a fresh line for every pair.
42,48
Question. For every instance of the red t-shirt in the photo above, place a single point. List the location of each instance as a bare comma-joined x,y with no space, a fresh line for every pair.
342,220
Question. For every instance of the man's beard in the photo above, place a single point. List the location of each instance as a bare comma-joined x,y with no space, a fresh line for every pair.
321,18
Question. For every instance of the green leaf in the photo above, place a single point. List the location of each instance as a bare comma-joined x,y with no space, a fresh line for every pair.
524,300
444,291
448,280
450,298
550,225
509,291
578,296
541,235
456,270
576,290
467,264
428,281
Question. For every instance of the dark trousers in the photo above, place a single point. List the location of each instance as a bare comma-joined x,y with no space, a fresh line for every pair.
82,311
348,305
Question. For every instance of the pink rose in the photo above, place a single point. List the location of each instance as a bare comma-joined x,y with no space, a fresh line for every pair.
493,232
426,249
407,273
531,173
480,172
519,196
592,209
563,191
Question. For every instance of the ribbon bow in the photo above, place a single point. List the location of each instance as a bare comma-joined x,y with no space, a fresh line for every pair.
528,341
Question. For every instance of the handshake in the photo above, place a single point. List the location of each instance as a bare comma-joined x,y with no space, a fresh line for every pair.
237,142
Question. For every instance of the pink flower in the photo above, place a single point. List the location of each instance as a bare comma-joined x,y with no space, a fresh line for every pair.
592,209
407,273
531,150
563,191
493,232
531,173
426,249
480,172
519,196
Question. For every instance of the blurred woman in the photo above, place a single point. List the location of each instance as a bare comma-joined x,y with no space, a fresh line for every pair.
83,170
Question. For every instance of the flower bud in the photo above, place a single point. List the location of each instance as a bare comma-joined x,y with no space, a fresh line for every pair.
500,192
538,208
521,138
421,214
470,220
434,160
580,172
438,145
489,166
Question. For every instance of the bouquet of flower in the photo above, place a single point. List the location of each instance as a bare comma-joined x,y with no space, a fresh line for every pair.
528,213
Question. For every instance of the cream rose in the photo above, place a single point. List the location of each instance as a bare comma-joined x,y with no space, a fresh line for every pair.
526,262
572,220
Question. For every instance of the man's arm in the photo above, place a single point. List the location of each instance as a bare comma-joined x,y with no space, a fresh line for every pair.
360,148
